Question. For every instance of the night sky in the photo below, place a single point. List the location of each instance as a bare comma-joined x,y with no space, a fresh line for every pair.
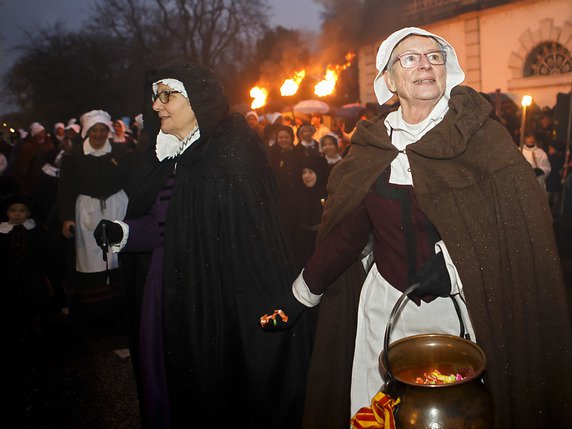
18,16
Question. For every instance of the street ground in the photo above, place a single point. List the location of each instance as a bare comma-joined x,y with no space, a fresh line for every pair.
73,376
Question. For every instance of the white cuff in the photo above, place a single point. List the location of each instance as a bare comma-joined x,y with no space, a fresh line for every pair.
118,247
456,285
302,292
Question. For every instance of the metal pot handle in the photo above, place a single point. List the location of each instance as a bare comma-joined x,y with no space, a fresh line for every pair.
390,383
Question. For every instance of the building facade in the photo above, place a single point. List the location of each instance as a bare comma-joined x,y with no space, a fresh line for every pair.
517,47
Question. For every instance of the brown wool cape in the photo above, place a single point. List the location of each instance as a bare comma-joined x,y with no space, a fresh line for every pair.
482,196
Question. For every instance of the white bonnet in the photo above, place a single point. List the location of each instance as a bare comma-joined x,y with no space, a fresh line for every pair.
175,84
454,73
251,113
74,127
139,120
93,117
35,128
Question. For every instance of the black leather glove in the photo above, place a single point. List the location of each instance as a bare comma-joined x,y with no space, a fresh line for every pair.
538,171
284,315
433,278
113,231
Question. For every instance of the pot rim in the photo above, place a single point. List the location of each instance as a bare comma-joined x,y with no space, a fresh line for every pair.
478,372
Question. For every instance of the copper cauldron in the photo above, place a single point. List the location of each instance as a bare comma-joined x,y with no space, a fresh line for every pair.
462,404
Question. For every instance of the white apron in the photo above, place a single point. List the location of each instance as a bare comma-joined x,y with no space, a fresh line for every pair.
89,211
377,299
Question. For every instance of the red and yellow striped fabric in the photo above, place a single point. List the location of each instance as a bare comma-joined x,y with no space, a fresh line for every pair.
378,416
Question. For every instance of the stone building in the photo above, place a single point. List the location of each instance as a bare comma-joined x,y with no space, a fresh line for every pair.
519,47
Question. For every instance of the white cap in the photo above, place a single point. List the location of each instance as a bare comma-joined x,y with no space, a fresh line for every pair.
454,73
74,127
93,117
35,128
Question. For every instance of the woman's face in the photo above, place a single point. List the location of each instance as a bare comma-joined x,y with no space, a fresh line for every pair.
176,115
423,84
118,128
309,177
17,213
98,135
329,147
306,133
284,140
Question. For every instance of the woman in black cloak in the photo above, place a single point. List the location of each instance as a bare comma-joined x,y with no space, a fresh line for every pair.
205,205
309,200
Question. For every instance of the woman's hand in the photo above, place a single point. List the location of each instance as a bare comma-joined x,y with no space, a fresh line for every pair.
68,228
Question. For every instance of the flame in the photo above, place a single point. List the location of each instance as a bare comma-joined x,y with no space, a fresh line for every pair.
291,85
260,95
327,85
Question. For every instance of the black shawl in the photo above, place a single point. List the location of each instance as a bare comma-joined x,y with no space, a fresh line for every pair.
225,264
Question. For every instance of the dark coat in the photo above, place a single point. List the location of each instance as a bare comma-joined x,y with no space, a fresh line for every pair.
25,289
94,176
225,264
481,195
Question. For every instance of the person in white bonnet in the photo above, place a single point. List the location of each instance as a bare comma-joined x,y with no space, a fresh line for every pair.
31,157
453,208
91,187
59,132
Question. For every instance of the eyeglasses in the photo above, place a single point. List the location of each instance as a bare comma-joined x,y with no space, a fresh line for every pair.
163,96
412,59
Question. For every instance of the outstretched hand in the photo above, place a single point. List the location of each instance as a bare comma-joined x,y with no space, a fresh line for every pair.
282,316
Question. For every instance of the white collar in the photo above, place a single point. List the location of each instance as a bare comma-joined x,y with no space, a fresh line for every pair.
6,227
89,150
395,121
308,144
169,146
333,160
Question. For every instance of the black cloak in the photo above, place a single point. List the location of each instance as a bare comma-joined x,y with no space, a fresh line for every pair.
225,264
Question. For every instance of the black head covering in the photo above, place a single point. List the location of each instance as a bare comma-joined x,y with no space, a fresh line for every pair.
10,199
205,91
210,105
319,166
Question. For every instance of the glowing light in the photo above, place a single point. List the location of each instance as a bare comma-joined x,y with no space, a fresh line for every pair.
526,100
327,85
260,95
291,85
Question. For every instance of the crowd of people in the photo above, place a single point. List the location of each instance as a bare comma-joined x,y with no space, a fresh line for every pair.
204,220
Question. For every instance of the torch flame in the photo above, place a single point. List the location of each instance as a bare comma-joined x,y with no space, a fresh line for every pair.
260,95
327,85
291,85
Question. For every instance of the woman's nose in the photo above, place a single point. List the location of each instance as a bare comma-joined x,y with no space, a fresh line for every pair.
157,105
424,62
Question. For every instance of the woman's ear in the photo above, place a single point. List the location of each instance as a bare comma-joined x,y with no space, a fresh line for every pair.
389,81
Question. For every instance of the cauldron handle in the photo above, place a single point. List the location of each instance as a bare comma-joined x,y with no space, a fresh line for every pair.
394,312
405,296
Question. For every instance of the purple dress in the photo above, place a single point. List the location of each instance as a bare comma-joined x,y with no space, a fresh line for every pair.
146,234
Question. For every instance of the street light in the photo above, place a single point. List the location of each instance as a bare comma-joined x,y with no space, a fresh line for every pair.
526,101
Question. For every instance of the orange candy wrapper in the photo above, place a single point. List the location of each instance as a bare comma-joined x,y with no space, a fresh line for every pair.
264,320
435,377
378,416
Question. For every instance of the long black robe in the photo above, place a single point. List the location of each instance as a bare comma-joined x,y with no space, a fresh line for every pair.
225,265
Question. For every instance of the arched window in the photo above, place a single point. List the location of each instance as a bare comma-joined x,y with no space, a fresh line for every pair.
546,59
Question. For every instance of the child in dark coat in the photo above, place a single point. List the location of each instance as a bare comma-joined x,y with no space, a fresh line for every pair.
25,288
